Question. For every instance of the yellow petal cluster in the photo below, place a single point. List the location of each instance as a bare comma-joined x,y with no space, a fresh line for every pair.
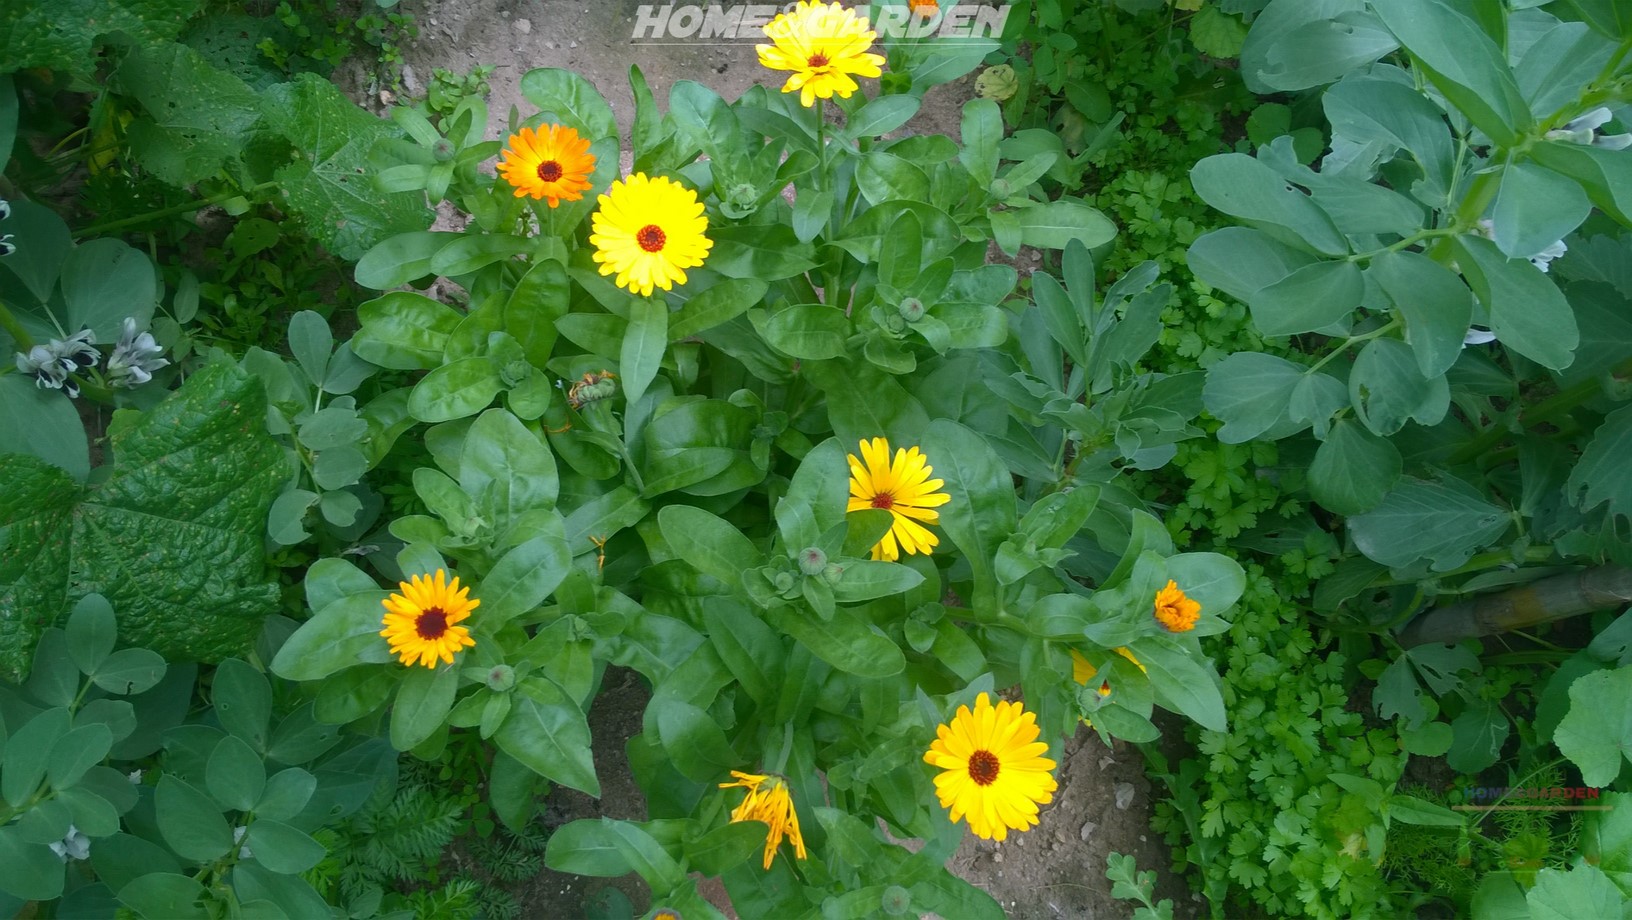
824,46
994,773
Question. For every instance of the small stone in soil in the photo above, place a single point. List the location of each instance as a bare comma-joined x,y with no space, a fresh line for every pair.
997,858
1087,830
1124,795
524,26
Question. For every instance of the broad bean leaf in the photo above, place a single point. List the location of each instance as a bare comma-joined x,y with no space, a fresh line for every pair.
1353,469
41,33
172,538
1462,61
1444,522
1243,187
1528,313
1298,44
1250,392
1602,474
330,183
1436,305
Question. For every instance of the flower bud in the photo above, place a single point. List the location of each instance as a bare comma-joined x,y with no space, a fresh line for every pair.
501,678
1001,189
897,901
833,573
783,581
442,150
911,309
812,561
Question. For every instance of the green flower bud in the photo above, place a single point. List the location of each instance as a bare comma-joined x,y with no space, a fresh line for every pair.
812,561
783,581
501,678
832,573
897,901
911,309
1000,188
442,150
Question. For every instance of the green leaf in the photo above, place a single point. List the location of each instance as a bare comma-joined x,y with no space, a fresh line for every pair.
472,251
103,282
882,176
344,633
198,116
1181,683
547,732
1412,810
76,752
1242,187
982,512
809,331
1249,392
564,97
865,580
455,390
404,331
644,343
506,469
1462,62
982,128
1583,891
729,846
708,543
726,300
816,496
749,648
329,184
1601,474
400,259
694,742
44,424
165,896
1216,33
1299,44
282,848
844,641
525,576
1374,110
1606,175
765,253
423,702
880,116
33,872
235,775
1436,306
1353,469
1388,390
312,344
1212,580
189,821
243,701
585,847
1312,297
1536,207
1596,734
1477,736
172,538
1527,311
129,671
286,793
1444,522
1607,16
1055,224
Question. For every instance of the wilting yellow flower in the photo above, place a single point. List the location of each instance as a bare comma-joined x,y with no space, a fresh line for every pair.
994,771
647,231
1082,672
903,488
419,622
825,46
552,163
768,801
1175,611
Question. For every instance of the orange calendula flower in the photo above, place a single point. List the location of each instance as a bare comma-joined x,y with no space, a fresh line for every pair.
925,7
901,487
1174,611
825,47
421,621
769,802
553,162
993,769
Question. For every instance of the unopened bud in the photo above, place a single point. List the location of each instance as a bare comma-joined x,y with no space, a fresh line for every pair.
911,309
812,561
442,150
897,901
501,678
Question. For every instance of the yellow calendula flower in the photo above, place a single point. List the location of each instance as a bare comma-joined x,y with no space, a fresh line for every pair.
825,47
421,621
769,802
903,488
553,162
993,769
648,231
1175,611
1082,672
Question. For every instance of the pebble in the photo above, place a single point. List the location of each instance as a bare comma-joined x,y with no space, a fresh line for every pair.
997,858
1087,830
1106,761
572,44
524,26
1124,795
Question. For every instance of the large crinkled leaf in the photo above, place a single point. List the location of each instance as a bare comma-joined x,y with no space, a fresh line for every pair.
1605,470
62,34
331,183
198,116
172,537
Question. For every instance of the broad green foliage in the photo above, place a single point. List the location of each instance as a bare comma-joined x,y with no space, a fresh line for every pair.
171,536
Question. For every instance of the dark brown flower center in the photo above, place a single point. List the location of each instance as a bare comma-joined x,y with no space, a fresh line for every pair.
431,624
883,500
549,170
983,766
651,238
818,61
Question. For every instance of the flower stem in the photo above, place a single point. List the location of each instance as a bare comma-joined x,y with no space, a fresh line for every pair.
15,329
139,219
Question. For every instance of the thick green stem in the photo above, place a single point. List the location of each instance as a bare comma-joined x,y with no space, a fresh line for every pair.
1544,412
138,220
15,329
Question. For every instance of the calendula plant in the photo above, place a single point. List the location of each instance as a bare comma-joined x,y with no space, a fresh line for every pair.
760,422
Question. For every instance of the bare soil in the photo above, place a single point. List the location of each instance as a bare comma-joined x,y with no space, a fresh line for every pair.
1104,802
